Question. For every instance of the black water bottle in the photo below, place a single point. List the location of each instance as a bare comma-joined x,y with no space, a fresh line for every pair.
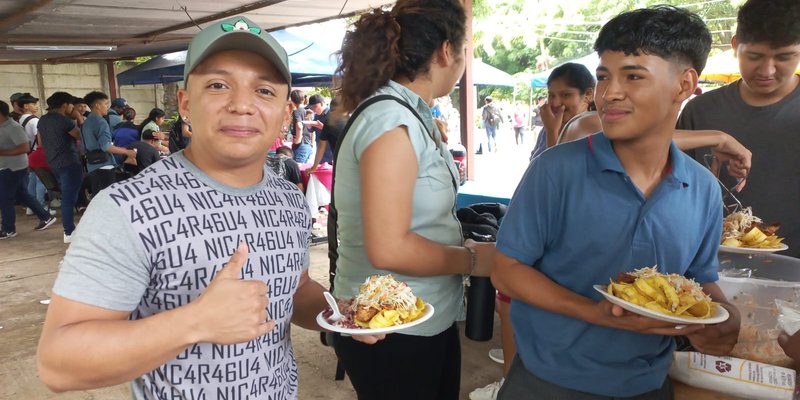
480,302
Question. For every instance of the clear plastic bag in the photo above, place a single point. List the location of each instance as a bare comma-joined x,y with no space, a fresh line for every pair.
788,316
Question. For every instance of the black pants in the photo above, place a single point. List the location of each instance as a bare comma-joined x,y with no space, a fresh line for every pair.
100,179
403,367
521,384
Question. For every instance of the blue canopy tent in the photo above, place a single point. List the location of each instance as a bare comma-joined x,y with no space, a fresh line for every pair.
590,61
310,63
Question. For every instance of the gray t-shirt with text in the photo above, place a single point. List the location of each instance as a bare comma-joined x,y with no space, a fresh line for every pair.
154,242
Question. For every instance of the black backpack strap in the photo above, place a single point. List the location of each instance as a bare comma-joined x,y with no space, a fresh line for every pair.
333,231
26,120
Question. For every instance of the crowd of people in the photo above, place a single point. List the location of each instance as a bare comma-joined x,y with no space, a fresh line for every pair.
209,266
79,146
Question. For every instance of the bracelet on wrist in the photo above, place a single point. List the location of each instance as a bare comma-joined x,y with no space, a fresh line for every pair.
473,263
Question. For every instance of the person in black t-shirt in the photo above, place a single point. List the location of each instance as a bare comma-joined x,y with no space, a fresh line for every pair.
146,152
333,125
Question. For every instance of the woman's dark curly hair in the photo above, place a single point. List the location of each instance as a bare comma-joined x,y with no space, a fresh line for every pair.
384,45
776,22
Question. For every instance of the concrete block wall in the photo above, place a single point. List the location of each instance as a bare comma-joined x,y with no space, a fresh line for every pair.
77,79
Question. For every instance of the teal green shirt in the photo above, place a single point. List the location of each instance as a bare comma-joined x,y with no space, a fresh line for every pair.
433,204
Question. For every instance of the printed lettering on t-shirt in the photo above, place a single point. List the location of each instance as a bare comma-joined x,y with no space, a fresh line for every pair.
189,231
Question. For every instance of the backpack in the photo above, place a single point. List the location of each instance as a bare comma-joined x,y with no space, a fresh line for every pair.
494,117
491,116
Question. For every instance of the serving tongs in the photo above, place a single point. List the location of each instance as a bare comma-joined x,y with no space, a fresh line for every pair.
715,165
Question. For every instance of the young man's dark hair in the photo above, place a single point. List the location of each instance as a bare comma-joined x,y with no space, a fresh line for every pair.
148,135
93,97
4,109
58,99
296,96
776,22
286,151
665,31
315,99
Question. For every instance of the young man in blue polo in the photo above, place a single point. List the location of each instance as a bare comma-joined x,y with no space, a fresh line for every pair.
621,199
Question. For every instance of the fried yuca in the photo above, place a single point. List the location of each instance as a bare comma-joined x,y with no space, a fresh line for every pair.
382,301
671,294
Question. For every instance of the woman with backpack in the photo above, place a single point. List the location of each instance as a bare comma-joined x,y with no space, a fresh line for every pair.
395,190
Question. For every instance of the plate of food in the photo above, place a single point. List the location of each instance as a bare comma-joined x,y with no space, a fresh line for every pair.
382,305
744,233
669,298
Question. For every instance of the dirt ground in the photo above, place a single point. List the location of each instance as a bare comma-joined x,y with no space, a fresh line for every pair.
28,268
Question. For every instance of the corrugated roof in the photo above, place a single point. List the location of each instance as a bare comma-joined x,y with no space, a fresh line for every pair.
142,27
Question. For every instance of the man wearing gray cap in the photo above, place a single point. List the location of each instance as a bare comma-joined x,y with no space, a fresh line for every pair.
185,278
16,110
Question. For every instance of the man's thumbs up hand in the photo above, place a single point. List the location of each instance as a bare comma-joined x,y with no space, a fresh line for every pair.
232,310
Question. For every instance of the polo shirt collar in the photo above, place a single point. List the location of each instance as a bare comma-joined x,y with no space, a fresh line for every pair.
603,153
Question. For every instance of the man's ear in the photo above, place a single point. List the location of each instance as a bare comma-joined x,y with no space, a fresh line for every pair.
287,115
735,46
183,102
688,82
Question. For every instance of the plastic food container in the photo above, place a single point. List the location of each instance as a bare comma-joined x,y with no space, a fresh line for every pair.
752,283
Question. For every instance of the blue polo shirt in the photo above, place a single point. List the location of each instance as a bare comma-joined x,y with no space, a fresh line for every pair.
578,218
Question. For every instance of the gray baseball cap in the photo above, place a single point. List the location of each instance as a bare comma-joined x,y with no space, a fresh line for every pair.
237,33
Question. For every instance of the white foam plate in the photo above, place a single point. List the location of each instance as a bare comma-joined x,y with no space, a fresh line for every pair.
720,314
751,250
426,315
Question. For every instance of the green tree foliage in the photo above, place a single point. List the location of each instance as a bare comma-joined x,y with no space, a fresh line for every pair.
527,36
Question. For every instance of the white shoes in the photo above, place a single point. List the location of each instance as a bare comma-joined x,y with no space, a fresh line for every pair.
496,355
488,392
67,238
28,211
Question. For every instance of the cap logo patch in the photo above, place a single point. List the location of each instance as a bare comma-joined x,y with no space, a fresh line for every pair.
240,25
